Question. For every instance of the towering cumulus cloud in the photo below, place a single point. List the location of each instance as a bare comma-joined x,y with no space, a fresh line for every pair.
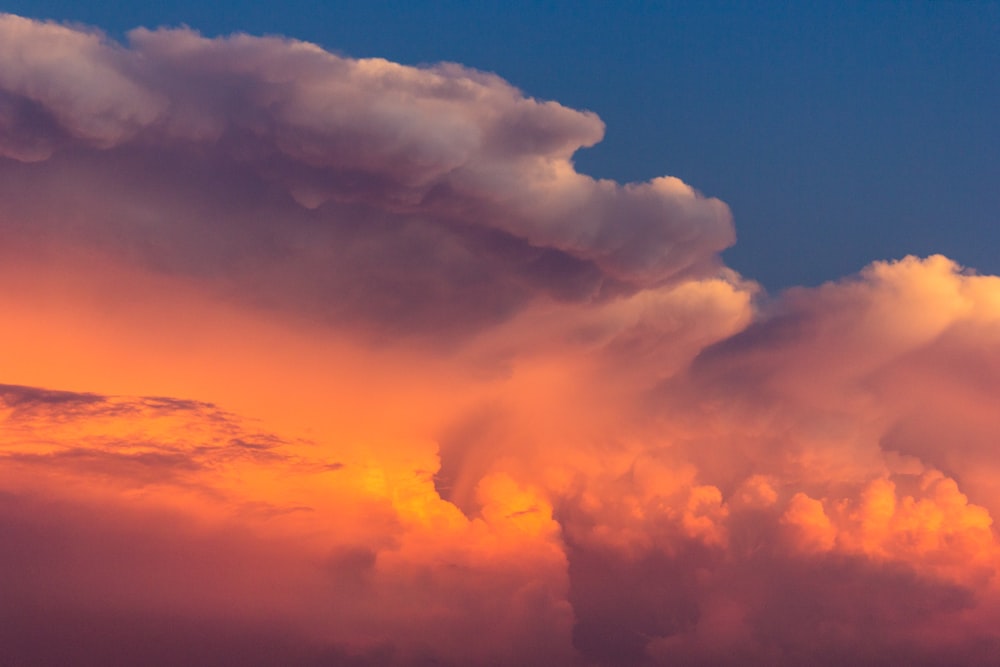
319,361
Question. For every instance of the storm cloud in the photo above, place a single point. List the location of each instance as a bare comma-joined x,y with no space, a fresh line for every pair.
321,361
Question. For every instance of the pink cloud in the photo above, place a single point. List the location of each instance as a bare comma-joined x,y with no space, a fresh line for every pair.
335,174
428,395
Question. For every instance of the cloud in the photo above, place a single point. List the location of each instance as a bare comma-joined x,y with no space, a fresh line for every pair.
316,360
361,189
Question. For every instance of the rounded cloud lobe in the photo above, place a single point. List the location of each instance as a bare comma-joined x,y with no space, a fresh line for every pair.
371,190
323,361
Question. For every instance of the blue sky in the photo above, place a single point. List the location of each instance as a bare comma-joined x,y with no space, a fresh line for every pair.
839,133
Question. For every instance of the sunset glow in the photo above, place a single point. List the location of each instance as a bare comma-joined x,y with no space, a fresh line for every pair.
313,360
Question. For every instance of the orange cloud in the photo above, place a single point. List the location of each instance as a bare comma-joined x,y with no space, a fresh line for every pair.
313,360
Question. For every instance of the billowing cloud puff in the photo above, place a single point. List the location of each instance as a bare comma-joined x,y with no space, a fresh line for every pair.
373,191
321,361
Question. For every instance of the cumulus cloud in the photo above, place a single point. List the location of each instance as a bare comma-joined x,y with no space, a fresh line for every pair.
315,360
372,190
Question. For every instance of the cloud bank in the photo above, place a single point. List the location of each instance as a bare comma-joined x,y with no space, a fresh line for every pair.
323,361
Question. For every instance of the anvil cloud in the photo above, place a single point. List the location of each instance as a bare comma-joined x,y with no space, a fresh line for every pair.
320,361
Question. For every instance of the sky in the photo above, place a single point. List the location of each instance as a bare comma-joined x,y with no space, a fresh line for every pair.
528,335
838,132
